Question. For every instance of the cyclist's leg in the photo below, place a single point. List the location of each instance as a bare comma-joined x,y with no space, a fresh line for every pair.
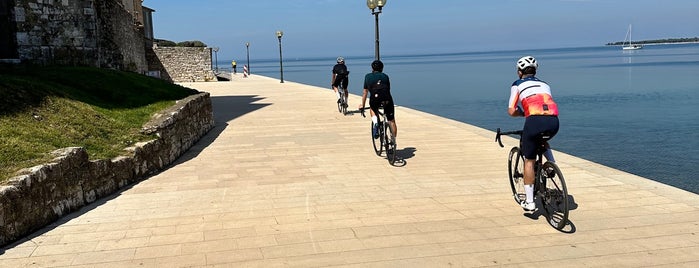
345,83
389,109
374,104
549,154
374,109
551,132
336,84
530,134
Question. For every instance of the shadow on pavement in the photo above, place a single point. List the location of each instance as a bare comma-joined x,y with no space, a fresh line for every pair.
225,108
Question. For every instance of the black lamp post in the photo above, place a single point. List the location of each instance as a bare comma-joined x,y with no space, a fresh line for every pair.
247,48
216,58
281,68
373,4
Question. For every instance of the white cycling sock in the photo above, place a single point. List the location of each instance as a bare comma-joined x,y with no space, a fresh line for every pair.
549,155
338,95
529,190
375,119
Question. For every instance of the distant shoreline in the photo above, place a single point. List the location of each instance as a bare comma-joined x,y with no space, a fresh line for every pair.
653,44
668,41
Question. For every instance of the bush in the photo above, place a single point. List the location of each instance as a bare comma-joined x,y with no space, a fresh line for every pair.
191,44
165,43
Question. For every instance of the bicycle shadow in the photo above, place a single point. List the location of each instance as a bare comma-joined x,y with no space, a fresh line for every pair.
352,113
402,154
569,227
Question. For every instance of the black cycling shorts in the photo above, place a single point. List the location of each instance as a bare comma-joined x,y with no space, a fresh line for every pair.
533,127
388,108
341,79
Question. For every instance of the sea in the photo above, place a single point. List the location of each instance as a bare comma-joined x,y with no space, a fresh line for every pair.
636,111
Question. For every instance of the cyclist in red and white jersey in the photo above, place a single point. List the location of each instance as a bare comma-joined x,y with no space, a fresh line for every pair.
541,114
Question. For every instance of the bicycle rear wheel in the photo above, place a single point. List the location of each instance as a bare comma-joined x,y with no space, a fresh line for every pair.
555,195
515,166
377,142
390,144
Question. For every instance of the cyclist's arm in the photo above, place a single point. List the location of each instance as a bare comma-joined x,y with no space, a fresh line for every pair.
332,80
364,94
513,109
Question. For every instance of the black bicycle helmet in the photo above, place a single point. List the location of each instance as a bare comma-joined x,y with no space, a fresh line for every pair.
377,65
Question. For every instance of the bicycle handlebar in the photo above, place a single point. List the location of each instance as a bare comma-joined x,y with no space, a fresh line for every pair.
362,111
499,133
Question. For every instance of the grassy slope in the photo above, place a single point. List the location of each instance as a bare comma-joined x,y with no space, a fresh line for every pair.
47,108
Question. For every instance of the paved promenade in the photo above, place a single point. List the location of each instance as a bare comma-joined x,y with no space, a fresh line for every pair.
284,180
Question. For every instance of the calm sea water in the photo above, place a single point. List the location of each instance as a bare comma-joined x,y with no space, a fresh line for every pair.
635,111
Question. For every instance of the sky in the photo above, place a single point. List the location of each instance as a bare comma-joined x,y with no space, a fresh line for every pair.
330,28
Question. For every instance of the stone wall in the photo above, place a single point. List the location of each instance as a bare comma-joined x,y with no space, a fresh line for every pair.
98,33
182,64
71,181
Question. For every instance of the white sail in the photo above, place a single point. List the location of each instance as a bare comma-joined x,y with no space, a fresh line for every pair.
627,45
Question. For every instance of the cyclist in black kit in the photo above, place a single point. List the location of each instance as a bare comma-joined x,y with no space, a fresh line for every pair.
340,75
378,85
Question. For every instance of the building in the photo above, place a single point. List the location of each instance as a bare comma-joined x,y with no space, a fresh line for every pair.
116,34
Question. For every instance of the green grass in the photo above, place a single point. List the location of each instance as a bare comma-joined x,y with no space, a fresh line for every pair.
47,108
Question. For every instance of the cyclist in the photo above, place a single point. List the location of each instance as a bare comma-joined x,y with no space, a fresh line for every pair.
541,114
378,85
340,75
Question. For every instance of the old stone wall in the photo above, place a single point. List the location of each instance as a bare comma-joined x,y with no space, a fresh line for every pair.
182,64
71,181
99,33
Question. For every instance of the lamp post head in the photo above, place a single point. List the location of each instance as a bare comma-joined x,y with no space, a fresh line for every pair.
247,44
215,49
371,4
279,34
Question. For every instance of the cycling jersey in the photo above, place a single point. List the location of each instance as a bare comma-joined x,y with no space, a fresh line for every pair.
535,96
379,87
340,69
341,75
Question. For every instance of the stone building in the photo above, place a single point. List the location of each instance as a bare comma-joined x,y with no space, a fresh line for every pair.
115,34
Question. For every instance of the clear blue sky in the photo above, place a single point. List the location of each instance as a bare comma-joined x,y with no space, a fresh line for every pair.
328,28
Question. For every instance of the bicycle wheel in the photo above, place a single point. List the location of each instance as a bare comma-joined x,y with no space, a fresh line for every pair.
377,142
555,195
340,104
390,144
515,166
344,105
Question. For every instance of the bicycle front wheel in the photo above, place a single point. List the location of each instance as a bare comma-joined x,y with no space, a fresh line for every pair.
515,166
377,141
555,195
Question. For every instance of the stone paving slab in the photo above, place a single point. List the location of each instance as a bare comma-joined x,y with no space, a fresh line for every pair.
284,180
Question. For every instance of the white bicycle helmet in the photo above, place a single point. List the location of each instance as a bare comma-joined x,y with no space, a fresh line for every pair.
527,61
340,59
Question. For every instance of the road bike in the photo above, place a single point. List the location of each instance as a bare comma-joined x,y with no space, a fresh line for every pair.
549,185
386,139
342,102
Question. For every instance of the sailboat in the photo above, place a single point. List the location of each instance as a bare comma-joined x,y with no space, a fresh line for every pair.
627,45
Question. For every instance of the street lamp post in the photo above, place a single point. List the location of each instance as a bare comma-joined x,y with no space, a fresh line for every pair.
281,68
247,49
373,4
216,58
